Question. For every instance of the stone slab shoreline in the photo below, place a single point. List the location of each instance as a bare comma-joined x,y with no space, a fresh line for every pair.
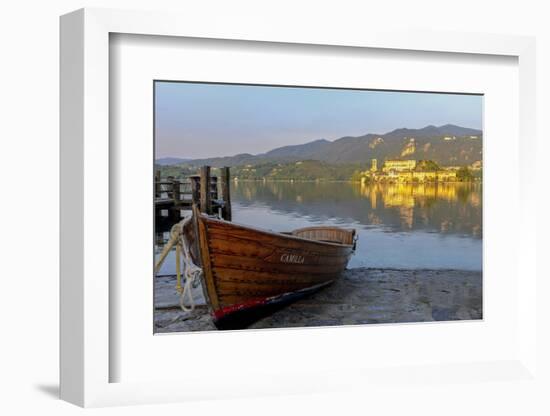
361,296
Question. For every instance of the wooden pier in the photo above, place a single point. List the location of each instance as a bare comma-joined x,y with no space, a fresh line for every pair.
174,195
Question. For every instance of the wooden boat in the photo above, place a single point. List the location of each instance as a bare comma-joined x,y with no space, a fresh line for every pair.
248,272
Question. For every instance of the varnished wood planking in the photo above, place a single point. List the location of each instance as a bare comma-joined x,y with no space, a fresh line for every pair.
266,278
254,285
246,264
225,287
236,246
254,264
269,253
228,300
254,290
276,239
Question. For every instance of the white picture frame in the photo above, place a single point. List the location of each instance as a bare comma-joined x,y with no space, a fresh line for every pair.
86,356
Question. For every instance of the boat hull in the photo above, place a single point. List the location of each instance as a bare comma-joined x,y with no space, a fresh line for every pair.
247,271
240,316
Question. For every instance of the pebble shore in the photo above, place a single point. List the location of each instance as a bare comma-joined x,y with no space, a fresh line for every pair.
361,296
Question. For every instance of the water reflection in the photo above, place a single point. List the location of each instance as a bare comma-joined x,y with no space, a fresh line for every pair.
452,208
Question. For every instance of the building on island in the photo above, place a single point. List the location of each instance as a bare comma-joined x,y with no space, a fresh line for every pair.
438,175
373,165
408,171
398,165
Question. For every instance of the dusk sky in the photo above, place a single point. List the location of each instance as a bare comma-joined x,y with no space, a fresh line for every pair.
207,120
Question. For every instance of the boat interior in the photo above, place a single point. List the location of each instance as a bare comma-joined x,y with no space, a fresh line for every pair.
334,235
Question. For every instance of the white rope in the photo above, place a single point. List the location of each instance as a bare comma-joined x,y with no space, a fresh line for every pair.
191,271
192,274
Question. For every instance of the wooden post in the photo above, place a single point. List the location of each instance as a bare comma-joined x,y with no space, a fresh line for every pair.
214,207
176,192
213,187
205,190
195,189
224,187
157,184
167,188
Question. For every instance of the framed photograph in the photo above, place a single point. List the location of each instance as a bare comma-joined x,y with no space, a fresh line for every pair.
299,231
281,206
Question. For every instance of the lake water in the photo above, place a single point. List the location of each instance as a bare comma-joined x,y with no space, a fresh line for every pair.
433,226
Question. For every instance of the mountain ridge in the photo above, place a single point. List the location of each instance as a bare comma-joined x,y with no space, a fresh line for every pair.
166,161
448,144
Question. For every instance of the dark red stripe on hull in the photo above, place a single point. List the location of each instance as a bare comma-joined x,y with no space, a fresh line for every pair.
228,310
241,315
